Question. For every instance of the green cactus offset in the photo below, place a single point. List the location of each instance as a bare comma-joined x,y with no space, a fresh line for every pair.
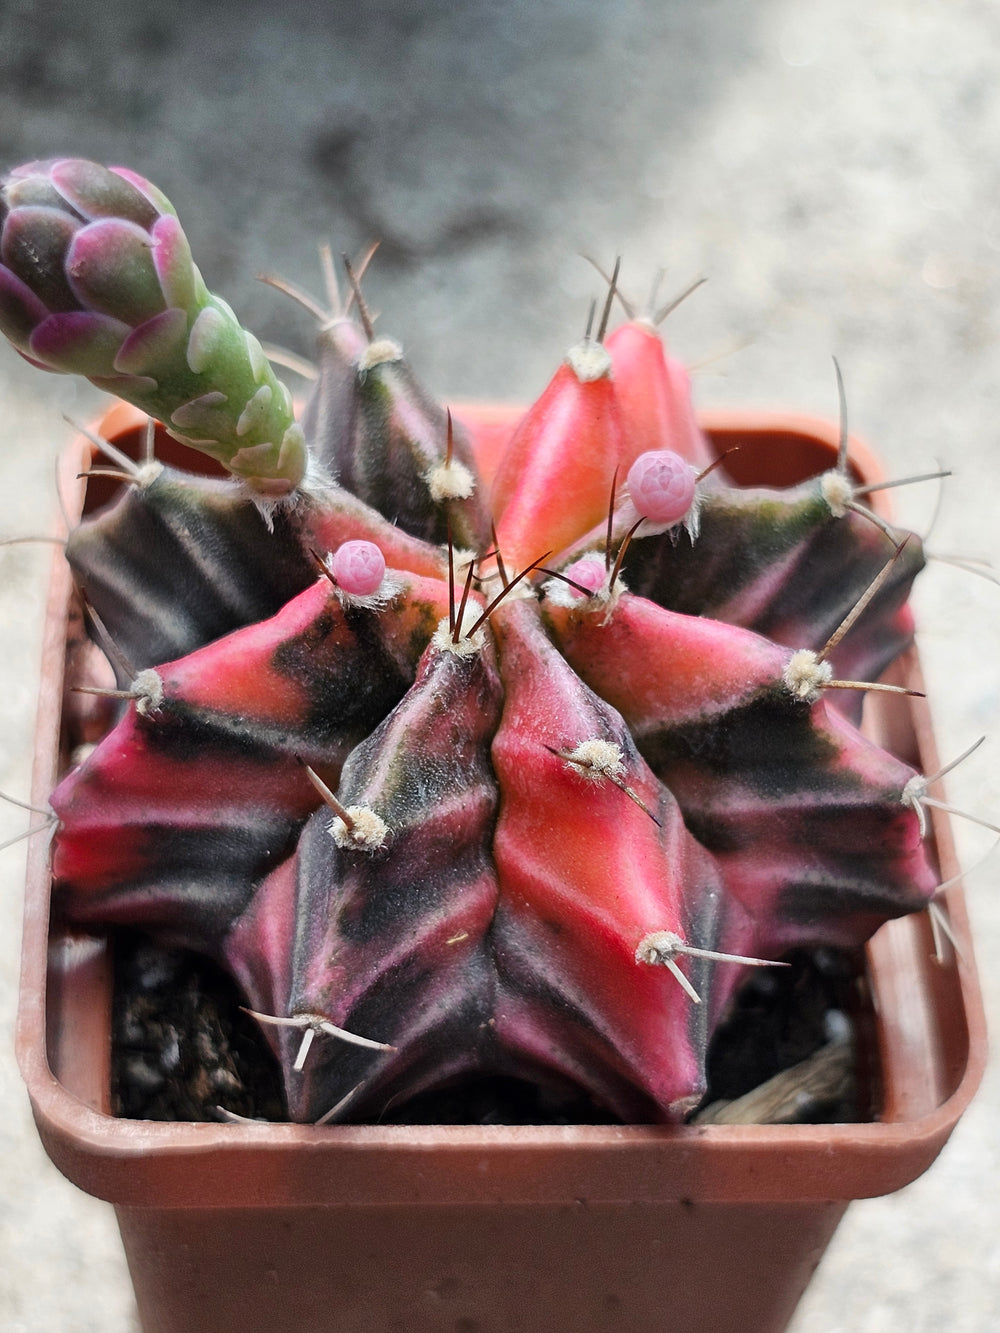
463,761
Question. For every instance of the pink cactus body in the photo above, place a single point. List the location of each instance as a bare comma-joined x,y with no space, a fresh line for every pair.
586,875
555,477
458,817
654,391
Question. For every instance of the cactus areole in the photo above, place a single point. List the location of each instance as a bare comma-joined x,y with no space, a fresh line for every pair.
455,777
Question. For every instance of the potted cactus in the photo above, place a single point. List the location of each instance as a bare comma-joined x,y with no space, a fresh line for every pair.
482,751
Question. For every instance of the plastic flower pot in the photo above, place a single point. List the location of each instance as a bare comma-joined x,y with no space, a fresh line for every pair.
709,1229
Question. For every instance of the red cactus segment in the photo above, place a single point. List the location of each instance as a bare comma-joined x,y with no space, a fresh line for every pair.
777,562
268,671
654,392
391,940
759,776
661,669
201,562
586,875
554,480
328,418
406,458
150,838
206,785
196,566
338,516
317,663
780,563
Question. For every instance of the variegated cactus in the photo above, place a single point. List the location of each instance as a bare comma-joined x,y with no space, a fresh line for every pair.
460,767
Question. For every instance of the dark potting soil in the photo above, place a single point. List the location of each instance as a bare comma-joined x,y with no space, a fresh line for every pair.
180,1044
182,1048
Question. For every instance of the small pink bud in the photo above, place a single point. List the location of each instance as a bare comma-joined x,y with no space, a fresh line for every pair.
661,485
589,572
358,568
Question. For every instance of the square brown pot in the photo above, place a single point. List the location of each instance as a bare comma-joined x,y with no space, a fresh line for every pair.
708,1229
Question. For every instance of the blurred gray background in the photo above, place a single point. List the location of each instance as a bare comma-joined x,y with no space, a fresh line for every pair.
831,167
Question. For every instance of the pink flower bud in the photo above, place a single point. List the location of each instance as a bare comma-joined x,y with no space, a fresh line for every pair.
358,568
589,572
661,485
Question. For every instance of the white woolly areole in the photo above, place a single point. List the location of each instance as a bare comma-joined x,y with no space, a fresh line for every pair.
657,947
378,353
596,760
521,592
450,481
589,361
316,482
147,690
468,644
367,832
561,594
912,796
270,495
378,600
605,598
146,473
837,491
690,523
805,674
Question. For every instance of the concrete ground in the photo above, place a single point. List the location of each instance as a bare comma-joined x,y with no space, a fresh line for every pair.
831,168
